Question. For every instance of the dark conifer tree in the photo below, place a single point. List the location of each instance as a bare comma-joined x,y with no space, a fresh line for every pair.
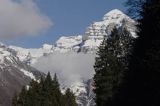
46,92
69,98
49,90
110,65
142,87
56,93
135,8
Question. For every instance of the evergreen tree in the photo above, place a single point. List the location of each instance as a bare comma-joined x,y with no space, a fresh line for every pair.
135,8
56,93
46,92
110,65
33,94
49,91
70,99
142,87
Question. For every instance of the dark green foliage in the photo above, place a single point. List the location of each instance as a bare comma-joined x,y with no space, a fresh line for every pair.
69,98
142,87
111,64
44,93
135,8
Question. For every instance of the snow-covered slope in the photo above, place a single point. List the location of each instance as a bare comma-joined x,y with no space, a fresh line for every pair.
13,75
85,43
84,93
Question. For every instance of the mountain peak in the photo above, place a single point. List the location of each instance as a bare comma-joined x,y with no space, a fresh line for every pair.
117,11
113,14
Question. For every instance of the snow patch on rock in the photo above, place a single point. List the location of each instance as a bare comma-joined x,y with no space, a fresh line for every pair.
29,74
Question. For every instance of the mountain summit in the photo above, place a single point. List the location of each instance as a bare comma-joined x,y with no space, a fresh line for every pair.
114,14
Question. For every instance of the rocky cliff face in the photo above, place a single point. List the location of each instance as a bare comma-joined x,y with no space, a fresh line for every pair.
13,75
86,43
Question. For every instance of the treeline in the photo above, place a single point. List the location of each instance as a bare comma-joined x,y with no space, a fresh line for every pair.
128,70
46,92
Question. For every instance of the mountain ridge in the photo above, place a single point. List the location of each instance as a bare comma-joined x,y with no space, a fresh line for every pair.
14,74
86,43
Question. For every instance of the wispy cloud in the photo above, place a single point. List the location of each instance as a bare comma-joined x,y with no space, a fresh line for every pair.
21,18
70,67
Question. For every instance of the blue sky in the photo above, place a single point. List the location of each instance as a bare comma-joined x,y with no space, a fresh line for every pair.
69,17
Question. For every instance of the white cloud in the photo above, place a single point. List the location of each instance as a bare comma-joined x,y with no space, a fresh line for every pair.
70,67
21,18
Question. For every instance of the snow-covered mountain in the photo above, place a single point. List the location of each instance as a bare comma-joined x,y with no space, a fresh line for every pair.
13,75
97,30
86,43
